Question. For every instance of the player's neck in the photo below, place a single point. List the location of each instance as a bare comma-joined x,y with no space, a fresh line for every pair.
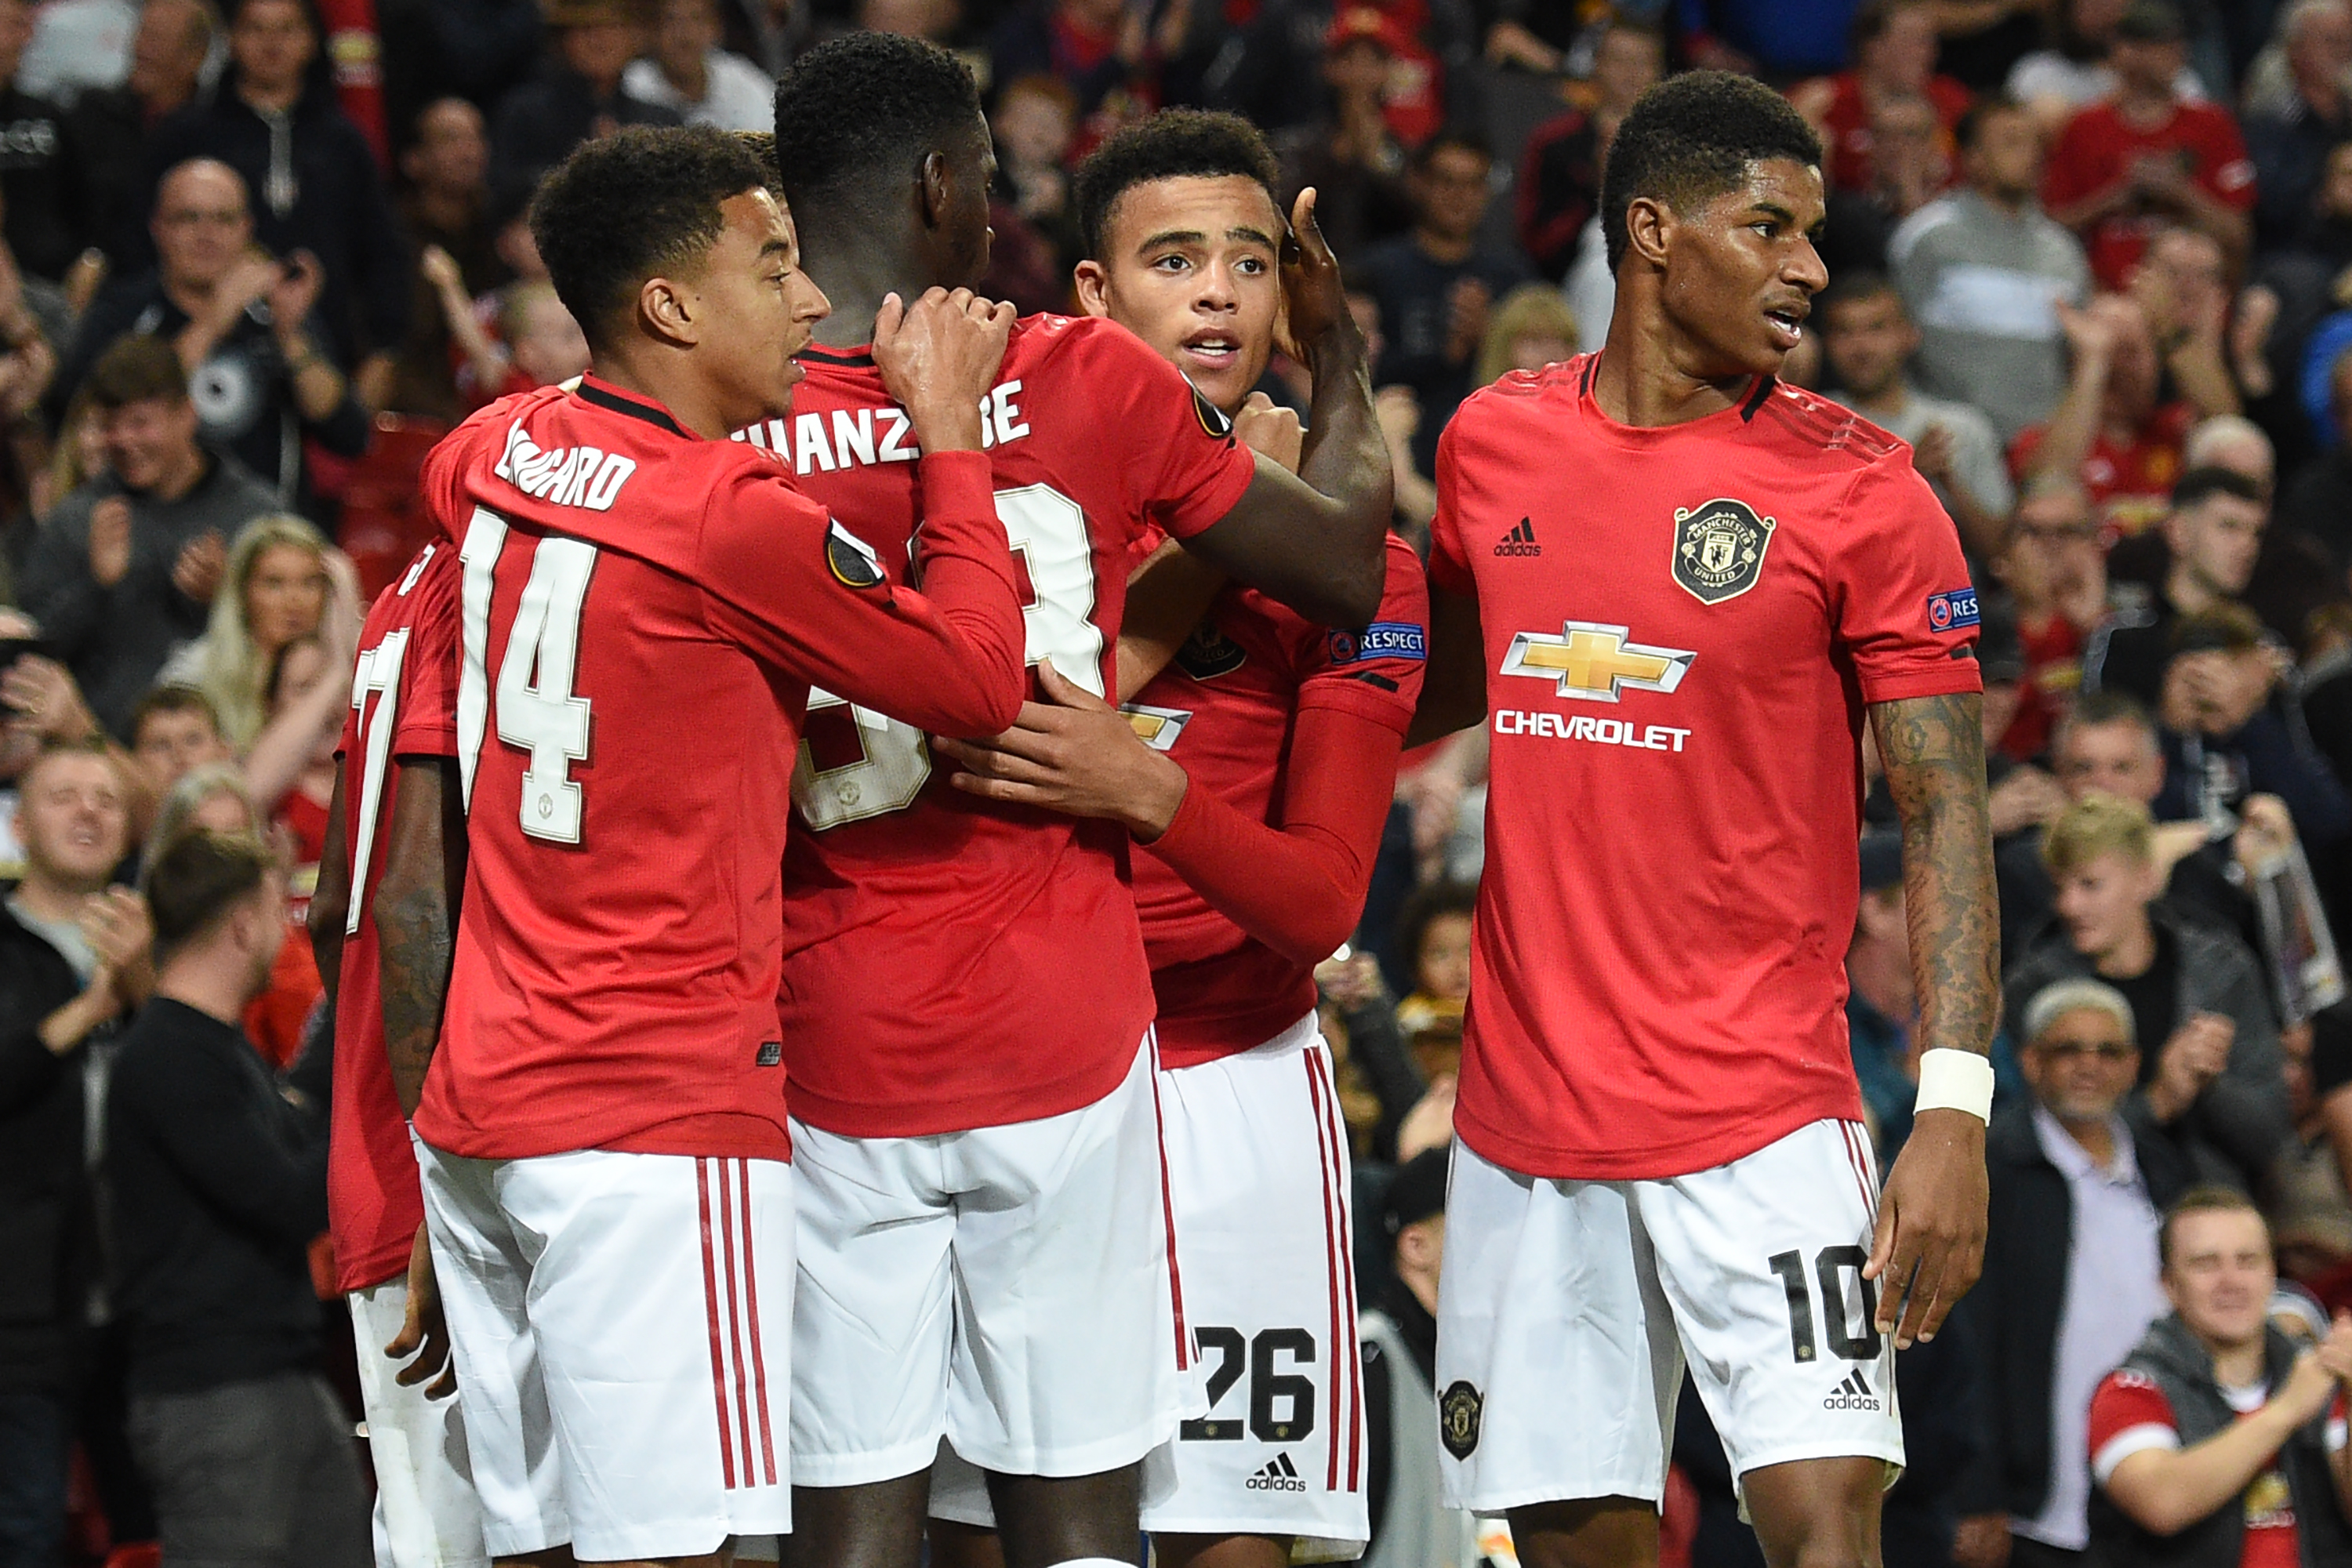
857,279
669,379
1650,376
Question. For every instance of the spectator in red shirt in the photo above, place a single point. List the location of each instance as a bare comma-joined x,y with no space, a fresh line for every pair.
1559,174
2220,1441
2141,158
2110,433
2056,572
1894,56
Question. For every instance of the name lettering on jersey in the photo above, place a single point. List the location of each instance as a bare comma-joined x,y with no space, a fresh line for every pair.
1585,727
1954,611
416,568
1156,727
1595,663
1720,549
1381,639
863,437
585,477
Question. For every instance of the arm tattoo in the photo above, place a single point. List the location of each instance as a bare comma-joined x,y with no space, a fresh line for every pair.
1933,748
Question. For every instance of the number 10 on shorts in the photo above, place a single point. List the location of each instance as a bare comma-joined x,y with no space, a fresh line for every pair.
1830,1267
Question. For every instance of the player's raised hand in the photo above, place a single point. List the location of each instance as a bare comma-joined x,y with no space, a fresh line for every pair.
938,357
1928,1246
1073,753
424,1332
1269,429
1313,300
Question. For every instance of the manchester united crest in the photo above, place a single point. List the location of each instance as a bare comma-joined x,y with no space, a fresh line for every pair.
1720,549
1457,1418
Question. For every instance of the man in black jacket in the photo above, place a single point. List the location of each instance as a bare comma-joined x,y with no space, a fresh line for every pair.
60,992
217,1183
2078,1179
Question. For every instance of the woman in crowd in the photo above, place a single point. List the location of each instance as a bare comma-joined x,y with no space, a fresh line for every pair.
273,594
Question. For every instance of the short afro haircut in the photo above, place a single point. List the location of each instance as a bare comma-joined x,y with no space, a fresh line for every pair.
858,115
623,207
1173,144
1690,139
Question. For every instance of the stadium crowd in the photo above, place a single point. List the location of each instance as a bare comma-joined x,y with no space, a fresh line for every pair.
2093,261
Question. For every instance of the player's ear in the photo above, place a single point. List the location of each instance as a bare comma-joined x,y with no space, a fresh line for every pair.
1649,228
939,187
1094,285
669,311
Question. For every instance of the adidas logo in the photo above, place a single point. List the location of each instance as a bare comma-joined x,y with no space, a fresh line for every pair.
1279,1476
1853,1393
1520,541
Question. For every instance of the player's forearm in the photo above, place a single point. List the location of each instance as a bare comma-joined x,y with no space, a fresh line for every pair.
1933,748
1298,888
1166,597
416,922
1346,458
1454,689
331,902
961,669
2166,1491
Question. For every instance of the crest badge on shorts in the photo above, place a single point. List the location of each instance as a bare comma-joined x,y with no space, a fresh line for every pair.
1720,549
1458,1409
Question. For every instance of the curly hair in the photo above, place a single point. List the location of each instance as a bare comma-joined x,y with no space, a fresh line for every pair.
1173,144
859,114
623,207
1690,139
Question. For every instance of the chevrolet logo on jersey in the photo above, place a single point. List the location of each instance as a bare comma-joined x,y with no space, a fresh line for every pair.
1156,727
1594,663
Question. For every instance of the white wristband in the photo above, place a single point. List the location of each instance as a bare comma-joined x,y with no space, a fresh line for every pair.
1954,1080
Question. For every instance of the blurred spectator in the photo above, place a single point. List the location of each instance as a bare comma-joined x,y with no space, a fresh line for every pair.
2213,535
111,124
1351,157
2233,735
2215,1084
2112,433
2141,156
538,344
1361,1017
2056,81
43,176
1894,45
242,324
1778,39
291,769
1105,52
1035,124
1909,164
73,960
2317,500
1881,1009
1532,328
273,592
1983,271
1433,937
1559,173
172,733
2289,146
576,93
2070,1271
1868,340
1410,1525
217,1184
2056,576
446,209
78,45
689,72
126,566
1435,285
310,173
2219,1439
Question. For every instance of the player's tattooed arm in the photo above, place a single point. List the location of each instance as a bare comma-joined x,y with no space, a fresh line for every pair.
1930,1244
330,903
416,918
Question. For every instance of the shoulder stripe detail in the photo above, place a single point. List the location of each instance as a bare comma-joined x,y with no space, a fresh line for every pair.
1764,385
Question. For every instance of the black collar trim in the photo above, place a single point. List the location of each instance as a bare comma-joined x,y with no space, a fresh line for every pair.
1764,385
604,397
851,359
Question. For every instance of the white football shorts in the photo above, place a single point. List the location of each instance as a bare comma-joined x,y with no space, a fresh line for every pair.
1007,1288
426,1515
1259,1182
1568,1309
623,1330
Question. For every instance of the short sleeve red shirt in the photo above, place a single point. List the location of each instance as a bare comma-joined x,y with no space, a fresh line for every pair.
1683,626
2130,1415
2098,148
1846,125
2129,483
951,962
1226,708
373,1207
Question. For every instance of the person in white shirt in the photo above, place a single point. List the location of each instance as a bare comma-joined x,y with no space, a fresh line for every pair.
688,71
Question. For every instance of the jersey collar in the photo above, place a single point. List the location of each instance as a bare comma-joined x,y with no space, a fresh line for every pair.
604,394
859,357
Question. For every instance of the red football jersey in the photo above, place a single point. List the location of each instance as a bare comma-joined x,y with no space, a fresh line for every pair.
1226,708
950,962
1682,628
1846,126
373,1207
641,615
2096,149
2129,1414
